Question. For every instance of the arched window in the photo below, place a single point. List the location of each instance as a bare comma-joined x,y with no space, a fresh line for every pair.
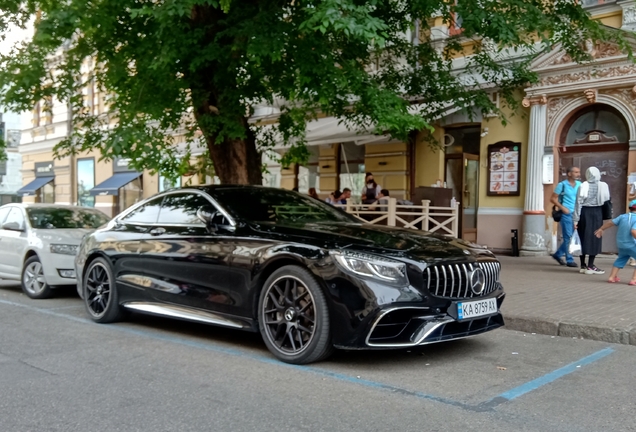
596,124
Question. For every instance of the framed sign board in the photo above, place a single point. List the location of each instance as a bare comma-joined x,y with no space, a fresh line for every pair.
504,168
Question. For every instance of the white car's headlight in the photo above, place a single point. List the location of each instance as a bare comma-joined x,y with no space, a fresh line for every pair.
64,249
374,267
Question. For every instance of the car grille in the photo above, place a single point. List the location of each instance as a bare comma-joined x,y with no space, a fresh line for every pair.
453,280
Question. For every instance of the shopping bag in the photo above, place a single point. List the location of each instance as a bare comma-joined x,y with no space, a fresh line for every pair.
575,244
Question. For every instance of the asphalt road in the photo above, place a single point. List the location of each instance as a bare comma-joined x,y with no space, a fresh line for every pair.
61,372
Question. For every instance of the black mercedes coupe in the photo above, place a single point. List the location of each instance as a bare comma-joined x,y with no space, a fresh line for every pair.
307,275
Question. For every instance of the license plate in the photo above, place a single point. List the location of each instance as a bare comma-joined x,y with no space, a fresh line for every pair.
478,308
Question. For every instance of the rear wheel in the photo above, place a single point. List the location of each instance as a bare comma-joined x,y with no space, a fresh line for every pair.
33,282
294,317
100,292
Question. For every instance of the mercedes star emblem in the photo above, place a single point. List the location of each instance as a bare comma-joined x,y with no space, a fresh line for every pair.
477,281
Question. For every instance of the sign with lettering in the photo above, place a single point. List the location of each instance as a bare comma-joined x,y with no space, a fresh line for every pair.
121,165
44,169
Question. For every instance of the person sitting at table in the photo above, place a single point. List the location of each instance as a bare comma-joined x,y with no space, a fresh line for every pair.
312,193
346,194
383,198
334,197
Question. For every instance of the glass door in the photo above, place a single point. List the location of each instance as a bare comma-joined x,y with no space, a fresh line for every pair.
462,176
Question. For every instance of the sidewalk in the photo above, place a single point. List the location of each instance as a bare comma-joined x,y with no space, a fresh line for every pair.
544,297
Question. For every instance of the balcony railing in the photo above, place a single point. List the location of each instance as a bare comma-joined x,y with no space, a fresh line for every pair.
443,220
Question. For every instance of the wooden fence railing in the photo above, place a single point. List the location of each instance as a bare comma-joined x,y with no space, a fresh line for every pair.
444,220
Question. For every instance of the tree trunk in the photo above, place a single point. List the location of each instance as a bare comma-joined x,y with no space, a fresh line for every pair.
237,161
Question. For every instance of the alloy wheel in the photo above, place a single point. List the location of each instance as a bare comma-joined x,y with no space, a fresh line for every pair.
34,281
98,289
290,315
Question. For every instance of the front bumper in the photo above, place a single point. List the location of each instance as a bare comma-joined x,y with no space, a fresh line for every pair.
53,263
403,327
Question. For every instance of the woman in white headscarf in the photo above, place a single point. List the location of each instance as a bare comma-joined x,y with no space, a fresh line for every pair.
588,216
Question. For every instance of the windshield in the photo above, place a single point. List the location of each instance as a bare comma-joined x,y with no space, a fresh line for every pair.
278,206
60,218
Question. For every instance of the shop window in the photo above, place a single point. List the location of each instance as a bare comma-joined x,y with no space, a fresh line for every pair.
165,183
597,124
46,194
85,182
130,194
271,178
308,178
463,140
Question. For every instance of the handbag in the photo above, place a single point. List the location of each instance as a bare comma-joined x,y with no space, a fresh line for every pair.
607,210
557,213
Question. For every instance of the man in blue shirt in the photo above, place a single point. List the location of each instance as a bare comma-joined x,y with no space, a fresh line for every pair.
625,240
564,197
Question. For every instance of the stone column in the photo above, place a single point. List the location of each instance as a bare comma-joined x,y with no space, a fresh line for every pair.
534,228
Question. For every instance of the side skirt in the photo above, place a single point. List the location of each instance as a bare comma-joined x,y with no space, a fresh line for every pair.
187,314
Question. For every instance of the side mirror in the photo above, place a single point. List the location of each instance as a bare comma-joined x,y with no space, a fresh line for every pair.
207,218
12,226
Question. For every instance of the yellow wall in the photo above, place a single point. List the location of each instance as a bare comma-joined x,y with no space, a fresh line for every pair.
516,130
389,165
612,19
327,168
429,161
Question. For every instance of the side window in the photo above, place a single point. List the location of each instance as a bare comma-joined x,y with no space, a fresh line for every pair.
182,208
15,215
146,214
4,211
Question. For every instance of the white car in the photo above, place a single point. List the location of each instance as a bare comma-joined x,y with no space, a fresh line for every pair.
38,244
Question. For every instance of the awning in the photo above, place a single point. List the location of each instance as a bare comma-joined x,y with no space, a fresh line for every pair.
33,187
111,186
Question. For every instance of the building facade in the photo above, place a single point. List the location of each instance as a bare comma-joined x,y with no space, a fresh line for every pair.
502,176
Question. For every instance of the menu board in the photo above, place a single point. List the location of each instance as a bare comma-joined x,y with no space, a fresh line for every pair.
504,161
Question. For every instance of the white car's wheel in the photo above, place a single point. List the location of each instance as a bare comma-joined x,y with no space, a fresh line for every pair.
33,282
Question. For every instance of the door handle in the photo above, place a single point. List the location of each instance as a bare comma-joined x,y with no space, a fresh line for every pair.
157,231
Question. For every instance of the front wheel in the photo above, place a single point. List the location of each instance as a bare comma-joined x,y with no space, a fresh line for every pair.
293,316
33,282
100,292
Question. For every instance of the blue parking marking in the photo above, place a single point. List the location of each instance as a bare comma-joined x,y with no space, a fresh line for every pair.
553,376
209,346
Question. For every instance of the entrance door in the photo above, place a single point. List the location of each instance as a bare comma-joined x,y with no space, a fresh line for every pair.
462,176
611,160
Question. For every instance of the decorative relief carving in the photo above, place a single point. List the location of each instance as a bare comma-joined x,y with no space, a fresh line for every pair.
590,95
629,15
597,51
617,71
555,104
628,95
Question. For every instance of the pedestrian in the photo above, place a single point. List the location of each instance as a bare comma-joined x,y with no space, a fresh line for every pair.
564,197
625,240
588,216
312,193
371,190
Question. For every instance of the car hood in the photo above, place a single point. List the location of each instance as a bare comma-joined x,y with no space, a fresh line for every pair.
387,241
66,236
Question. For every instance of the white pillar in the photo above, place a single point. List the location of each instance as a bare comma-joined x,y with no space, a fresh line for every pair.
534,229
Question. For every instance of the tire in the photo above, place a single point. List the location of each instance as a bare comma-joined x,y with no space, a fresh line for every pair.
290,299
33,282
100,292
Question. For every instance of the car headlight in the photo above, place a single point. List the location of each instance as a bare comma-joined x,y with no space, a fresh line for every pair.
374,267
64,249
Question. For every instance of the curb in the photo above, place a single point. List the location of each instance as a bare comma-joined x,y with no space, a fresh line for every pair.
550,327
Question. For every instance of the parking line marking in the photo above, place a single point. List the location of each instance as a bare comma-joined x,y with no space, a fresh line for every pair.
210,346
547,378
